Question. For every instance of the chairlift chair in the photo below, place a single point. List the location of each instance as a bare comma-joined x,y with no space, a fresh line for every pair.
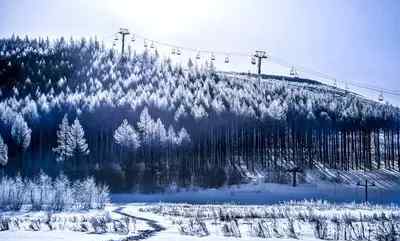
253,60
380,98
152,45
198,55
133,39
226,60
178,52
292,72
145,43
212,57
173,51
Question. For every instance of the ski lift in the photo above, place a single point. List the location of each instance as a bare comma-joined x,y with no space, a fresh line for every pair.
116,38
173,51
152,45
145,43
198,55
226,60
253,60
212,57
380,98
293,72
178,52
133,39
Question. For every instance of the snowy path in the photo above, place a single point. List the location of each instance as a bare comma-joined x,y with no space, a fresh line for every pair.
143,234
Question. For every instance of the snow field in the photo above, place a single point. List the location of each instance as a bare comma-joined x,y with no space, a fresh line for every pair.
84,225
286,221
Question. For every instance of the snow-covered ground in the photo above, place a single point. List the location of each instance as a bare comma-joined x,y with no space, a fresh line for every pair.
243,212
285,221
24,225
318,185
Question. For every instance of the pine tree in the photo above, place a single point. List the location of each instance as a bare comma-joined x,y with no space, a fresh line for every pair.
21,133
171,135
62,136
3,152
161,133
76,142
183,137
146,126
126,136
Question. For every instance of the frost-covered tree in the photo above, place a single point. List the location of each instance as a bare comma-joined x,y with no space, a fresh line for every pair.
3,152
146,126
62,193
183,137
21,133
76,142
126,136
171,135
161,133
277,110
62,136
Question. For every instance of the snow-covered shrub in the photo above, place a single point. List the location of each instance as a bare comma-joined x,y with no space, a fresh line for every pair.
88,195
103,196
41,191
260,229
16,195
290,231
320,227
99,224
44,193
4,223
231,229
275,230
386,231
335,220
63,198
194,227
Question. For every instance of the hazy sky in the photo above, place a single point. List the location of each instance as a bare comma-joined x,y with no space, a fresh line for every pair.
354,40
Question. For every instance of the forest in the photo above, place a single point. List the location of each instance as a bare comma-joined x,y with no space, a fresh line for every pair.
144,123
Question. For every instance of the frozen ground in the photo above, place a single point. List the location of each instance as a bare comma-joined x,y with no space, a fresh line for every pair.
285,221
319,185
244,212
70,225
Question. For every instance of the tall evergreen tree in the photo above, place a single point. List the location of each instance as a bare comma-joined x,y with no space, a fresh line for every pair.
62,136
146,126
3,152
21,133
76,142
126,136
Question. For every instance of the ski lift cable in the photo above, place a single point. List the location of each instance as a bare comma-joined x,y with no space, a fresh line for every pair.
332,78
272,59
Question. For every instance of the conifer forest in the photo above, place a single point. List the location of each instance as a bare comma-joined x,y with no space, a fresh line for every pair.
143,123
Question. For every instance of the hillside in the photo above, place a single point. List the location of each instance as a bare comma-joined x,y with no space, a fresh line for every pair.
185,125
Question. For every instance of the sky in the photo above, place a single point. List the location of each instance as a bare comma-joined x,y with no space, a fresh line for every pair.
354,41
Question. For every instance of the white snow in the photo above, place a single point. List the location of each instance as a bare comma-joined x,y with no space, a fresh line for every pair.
172,216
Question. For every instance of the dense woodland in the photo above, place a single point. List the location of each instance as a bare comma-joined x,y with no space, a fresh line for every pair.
143,123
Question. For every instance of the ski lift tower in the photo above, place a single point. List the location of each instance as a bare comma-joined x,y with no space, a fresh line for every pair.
365,185
123,32
260,55
294,171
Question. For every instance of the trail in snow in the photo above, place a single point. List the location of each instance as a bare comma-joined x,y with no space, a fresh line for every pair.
143,234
